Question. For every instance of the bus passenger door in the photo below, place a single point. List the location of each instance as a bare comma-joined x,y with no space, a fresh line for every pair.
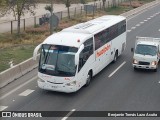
86,60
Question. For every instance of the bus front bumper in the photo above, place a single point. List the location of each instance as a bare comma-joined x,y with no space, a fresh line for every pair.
56,87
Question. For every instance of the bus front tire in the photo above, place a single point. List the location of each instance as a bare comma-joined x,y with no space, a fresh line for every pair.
89,77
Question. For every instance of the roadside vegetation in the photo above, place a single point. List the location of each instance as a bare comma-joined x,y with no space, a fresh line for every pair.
19,47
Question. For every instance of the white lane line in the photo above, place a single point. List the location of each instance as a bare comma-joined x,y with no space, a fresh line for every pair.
145,20
159,82
68,114
133,28
151,16
3,108
117,69
128,30
141,22
136,15
7,94
159,30
148,18
138,25
26,92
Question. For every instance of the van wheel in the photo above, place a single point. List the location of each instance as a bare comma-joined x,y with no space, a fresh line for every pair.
89,77
115,57
135,68
155,70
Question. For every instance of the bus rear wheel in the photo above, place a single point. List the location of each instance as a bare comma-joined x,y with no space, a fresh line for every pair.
89,77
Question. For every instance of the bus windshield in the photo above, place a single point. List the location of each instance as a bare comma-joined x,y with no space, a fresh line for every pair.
57,60
146,50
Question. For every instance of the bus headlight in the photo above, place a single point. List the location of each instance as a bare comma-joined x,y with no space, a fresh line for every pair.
153,63
40,80
71,83
135,61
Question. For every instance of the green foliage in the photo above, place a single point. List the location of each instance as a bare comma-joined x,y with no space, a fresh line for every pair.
83,1
49,8
17,54
19,8
67,3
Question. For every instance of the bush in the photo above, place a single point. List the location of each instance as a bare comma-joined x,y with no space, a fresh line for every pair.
38,30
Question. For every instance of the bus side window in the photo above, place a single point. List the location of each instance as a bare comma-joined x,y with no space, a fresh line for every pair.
81,61
86,53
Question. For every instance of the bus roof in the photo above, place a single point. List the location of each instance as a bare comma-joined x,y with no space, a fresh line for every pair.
80,32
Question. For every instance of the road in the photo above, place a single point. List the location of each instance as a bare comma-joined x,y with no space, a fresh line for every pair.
116,88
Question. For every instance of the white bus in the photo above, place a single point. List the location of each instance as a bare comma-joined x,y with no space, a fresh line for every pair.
70,58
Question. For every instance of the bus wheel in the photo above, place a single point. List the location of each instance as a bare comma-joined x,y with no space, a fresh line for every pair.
89,77
115,57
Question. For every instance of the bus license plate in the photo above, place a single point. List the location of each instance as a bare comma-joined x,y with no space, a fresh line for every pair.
54,86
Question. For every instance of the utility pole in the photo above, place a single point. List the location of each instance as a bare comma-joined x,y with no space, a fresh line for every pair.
51,20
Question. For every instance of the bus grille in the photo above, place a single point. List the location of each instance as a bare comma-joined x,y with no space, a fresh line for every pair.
143,63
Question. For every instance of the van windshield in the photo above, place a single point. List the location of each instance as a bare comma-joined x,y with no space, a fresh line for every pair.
146,49
57,60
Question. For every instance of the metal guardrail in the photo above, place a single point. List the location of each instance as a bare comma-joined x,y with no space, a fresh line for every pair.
21,69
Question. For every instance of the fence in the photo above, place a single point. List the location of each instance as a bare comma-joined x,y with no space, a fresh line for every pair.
38,20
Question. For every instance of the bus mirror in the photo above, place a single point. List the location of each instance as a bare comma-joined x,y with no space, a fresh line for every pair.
35,53
77,54
132,49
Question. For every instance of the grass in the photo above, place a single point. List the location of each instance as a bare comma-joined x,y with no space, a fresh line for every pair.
15,54
20,48
117,10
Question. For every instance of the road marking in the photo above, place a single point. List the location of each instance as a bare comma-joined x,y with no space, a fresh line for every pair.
152,16
7,94
26,92
145,20
128,30
141,22
138,25
117,69
159,30
133,28
136,15
68,114
3,108
155,14
159,81
148,18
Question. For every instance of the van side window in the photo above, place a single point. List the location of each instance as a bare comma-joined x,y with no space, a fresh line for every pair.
86,53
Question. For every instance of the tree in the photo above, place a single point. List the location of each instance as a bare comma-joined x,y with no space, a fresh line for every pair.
114,3
103,2
130,3
50,9
68,4
83,1
19,8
